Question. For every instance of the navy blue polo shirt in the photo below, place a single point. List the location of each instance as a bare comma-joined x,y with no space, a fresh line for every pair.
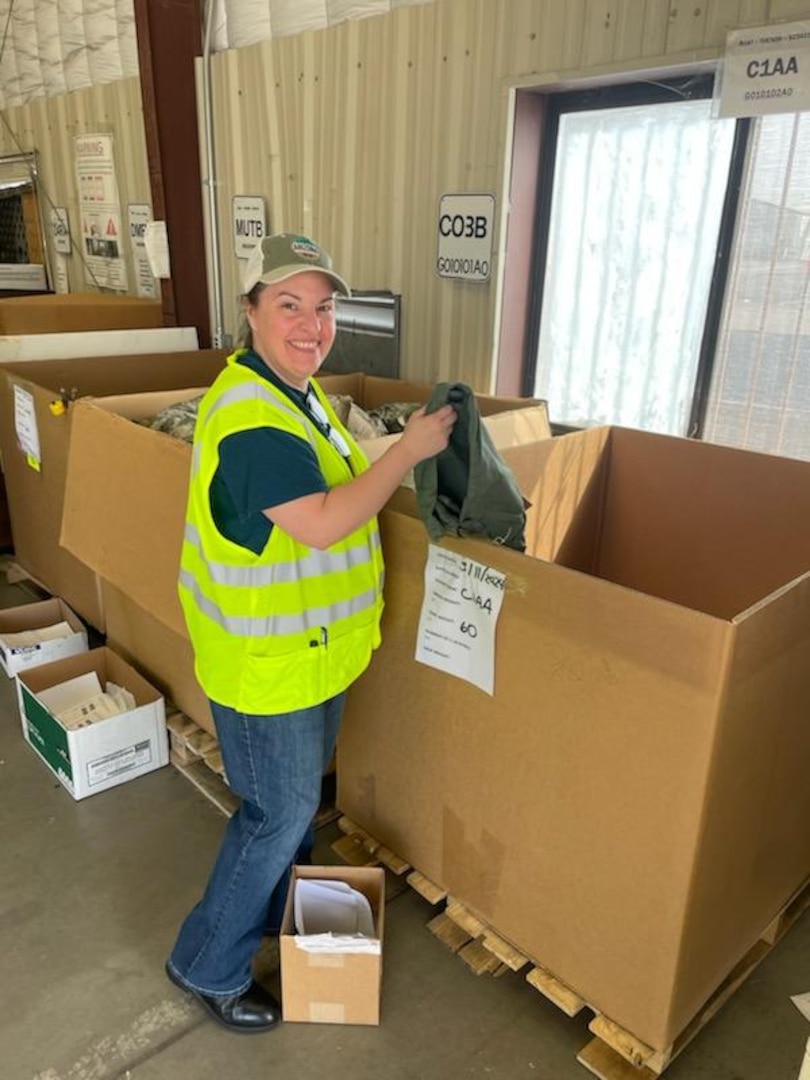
259,469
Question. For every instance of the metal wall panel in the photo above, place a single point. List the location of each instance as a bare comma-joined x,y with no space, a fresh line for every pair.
49,125
353,133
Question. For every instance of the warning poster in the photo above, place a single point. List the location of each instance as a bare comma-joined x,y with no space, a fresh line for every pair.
100,212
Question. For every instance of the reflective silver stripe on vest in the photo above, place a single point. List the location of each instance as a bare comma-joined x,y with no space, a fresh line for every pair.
279,625
250,392
316,564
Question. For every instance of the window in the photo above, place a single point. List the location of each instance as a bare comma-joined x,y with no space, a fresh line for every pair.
759,396
632,200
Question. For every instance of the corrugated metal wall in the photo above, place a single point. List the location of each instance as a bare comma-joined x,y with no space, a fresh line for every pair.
50,125
353,133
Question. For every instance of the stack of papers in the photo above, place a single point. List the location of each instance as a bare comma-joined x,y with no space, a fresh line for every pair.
81,701
331,907
26,639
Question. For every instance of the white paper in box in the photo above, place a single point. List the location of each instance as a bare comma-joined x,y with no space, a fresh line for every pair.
36,616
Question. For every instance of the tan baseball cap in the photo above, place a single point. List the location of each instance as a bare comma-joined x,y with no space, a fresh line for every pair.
283,256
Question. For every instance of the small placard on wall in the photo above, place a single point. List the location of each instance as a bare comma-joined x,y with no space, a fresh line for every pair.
249,223
140,216
60,229
465,228
766,70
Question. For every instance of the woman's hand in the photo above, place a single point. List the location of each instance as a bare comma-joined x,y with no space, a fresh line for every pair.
322,519
427,434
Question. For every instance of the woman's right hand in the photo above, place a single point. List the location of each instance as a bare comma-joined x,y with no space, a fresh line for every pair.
427,434
323,518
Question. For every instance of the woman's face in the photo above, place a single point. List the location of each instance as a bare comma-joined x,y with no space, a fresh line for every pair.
293,325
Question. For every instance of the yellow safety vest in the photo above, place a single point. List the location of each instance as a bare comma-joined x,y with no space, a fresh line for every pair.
293,626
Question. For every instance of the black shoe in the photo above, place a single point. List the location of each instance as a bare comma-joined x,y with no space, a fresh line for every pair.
255,1010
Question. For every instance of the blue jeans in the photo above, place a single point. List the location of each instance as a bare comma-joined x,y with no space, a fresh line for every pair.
275,763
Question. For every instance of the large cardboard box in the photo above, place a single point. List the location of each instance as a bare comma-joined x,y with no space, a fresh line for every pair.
36,496
91,759
137,548
630,809
71,312
335,987
36,616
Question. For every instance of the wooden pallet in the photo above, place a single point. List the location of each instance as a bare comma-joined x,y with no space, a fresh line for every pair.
16,574
357,848
195,754
613,1053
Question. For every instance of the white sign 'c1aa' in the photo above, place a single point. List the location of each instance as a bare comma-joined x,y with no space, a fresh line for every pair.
766,70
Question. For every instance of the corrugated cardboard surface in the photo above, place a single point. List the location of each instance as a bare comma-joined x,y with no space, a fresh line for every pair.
77,311
333,989
630,807
371,391
36,498
143,475
137,549
164,656
5,517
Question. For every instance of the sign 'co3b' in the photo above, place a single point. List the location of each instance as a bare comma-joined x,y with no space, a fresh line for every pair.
465,227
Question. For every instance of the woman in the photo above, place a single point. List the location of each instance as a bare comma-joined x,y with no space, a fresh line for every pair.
281,587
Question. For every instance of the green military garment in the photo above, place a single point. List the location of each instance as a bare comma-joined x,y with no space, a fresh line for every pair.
468,489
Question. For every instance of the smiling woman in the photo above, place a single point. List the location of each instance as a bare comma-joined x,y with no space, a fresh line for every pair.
281,586
293,325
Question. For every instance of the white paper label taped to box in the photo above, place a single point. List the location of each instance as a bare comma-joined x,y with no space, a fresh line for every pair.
459,615
122,761
25,424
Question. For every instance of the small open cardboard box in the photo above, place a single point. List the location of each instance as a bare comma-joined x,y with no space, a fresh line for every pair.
36,616
91,759
334,987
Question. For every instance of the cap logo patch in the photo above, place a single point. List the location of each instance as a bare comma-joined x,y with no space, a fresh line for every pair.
305,249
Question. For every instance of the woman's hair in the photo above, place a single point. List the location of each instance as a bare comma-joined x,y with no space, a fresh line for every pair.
244,335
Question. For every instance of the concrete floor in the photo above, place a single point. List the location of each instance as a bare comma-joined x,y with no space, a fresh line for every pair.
91,894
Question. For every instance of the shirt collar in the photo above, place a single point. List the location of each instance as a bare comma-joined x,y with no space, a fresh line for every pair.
252,360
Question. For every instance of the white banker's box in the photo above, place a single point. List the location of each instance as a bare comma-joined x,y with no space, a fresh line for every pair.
106,752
